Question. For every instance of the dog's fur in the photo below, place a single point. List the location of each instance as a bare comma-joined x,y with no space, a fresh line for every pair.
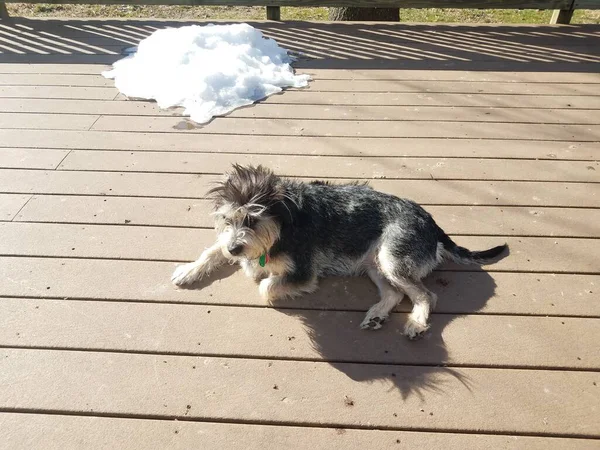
312,230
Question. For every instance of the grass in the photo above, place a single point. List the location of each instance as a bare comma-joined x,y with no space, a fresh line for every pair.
258,13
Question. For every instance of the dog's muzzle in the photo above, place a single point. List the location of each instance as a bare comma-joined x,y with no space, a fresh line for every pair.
235,249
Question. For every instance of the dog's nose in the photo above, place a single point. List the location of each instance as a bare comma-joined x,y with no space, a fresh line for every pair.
235,249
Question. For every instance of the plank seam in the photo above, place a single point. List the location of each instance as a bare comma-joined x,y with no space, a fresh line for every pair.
182,418
305,177
304,118
20,209
325,91
65,157
363,156
297,359
331,104
286,308
303,135
189,227
503,205
185,261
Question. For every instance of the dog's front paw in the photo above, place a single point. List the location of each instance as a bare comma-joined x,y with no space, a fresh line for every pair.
414,330
372,323
376,316
266,290
186,274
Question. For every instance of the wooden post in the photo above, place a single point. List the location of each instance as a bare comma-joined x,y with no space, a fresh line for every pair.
563,16
273,13
3,11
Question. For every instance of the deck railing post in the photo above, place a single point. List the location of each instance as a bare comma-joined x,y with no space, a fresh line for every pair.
3,11
273,13
563,16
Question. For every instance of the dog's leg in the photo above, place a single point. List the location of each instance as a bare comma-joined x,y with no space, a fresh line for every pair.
210,260
423,302
422,298
253,270
380,311
277,287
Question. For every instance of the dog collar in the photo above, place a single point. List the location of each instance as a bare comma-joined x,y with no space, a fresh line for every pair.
264,259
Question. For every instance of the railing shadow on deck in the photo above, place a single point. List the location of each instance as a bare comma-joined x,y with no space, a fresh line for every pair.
329,45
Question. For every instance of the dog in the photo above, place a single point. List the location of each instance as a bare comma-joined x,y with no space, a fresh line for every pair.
286,234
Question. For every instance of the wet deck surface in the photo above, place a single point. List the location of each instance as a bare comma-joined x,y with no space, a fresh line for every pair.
494,129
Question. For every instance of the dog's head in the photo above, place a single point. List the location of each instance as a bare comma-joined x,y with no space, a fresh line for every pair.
245,211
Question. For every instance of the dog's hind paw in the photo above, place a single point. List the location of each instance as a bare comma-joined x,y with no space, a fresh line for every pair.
185,274
372,323
414,330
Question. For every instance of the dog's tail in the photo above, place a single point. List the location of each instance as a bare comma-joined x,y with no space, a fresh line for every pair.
462,255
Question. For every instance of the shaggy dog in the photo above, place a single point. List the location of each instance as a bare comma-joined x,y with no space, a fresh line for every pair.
286,234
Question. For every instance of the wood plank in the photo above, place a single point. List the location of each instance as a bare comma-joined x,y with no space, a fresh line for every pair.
47,121
586,4
461,292
432,147
77,69
528,254
451,86
11,204
304,97
59,432
332,98
320,166
31,158
56,79
431,99
92,93
559,403
502,341
334,112
474,220
149,281
486,61
420,113
465,130
353,85
409,75
70,106
426,192
343,74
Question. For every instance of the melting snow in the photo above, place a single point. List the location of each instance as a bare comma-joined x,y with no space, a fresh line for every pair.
208,70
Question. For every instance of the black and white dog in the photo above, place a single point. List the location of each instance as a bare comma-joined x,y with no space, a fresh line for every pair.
286,234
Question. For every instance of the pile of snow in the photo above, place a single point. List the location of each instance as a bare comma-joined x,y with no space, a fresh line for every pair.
208,70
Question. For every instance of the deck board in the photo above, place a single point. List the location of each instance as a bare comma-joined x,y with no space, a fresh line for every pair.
192,186
299,145
11,204
286,127
502,341
148,281
530,254
345,167
60,432
494,129
272,110
553,405
475,220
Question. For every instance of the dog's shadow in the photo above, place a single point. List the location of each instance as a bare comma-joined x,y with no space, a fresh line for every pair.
386,354
333,313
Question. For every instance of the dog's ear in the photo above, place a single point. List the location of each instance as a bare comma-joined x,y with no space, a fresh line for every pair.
283,211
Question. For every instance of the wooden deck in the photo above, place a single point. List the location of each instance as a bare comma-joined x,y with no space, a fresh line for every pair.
495,129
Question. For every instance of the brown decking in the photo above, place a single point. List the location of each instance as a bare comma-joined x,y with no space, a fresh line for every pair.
496,130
